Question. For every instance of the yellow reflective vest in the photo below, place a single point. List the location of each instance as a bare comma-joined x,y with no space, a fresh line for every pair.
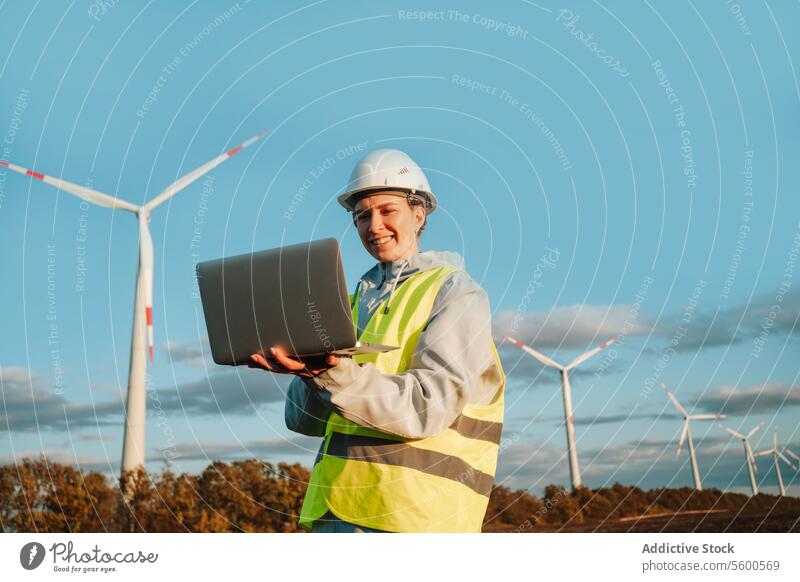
379,480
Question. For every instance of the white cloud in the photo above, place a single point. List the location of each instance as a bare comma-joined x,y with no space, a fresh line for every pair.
188,354
766,398
29,403
575,326
275,449
582,326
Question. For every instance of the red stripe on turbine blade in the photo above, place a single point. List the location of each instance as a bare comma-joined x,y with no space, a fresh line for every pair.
2,163
519,343
571,421
234,150
36,175
148,312
151,353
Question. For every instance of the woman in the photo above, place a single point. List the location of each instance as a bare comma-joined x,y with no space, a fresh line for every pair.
411,436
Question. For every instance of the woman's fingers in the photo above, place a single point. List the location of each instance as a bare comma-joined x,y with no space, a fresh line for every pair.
260,362
282,363
286,361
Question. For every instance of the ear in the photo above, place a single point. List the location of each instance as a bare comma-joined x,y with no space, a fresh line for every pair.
419,215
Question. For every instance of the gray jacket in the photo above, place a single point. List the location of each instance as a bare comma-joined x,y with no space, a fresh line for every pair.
452,364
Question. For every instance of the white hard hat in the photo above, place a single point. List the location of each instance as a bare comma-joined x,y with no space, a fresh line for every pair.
387,169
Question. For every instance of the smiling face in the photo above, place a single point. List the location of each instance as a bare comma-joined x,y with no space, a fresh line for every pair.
388,225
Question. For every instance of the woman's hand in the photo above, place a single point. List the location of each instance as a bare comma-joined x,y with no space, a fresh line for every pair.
280,363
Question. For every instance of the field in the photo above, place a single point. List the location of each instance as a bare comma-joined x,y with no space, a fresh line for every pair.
621,509
715,521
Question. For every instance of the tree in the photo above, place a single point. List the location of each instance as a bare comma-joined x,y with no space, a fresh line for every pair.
560,507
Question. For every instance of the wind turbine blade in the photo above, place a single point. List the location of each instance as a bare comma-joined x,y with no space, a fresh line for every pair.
752,432
541,357
730,430
80,191
707,416
192,176
683,438
775,438
753,462
785,460
764,453
792,454
674,400
589,354
146,270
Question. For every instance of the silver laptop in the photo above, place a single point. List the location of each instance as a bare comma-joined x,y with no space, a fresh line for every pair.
294,297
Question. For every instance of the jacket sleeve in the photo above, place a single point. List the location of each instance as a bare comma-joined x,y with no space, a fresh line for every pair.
450,357
305,413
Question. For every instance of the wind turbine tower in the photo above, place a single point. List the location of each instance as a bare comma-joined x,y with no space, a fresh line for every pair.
748,453
574,468
686,434
776,457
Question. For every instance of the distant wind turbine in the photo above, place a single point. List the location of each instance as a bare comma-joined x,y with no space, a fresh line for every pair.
791,454
748,453
687,434
133,447
569,421
777,456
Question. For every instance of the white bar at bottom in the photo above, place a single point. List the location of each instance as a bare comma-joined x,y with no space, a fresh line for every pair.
407,558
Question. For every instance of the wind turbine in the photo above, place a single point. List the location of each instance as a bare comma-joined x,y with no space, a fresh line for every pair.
687,434
133,447
748,453
574,469
791,454
776,456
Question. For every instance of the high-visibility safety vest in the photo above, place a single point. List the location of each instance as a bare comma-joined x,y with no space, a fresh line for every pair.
381,481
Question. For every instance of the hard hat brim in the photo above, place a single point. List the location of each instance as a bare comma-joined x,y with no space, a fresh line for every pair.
349,199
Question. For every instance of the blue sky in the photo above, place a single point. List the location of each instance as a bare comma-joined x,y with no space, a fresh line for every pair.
604,168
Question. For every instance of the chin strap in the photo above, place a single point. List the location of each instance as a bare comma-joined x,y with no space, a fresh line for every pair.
394,285
355,295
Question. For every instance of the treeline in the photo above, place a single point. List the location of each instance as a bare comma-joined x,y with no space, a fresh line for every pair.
37,495
242,496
